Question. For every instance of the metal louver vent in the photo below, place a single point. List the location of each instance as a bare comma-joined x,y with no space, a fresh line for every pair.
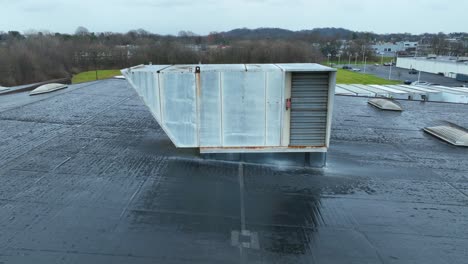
386,104
450,133
309,102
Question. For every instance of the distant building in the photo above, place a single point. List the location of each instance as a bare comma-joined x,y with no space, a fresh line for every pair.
390,48
196,47
204,47
452,67
129,49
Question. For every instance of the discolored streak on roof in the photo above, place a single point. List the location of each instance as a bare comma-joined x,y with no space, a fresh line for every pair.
87,176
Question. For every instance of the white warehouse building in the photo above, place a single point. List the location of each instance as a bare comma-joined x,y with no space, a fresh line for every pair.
391,48
449,67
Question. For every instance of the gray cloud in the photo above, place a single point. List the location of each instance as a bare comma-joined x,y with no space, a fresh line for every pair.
203,16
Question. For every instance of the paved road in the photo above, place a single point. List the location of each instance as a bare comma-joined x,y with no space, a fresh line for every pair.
402,75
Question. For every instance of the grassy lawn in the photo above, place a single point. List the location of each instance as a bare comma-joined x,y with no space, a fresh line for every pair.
91,75
343,77
349,77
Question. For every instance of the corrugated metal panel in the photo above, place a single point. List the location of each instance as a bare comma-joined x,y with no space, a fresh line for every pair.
341,91
418,88
440,89
388,89
405,89
309,99
274,88
450,89
304,67
210,109
377,91
179,111
358,91
243,109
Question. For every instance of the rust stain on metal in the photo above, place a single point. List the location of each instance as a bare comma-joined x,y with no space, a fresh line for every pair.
198,81
272,147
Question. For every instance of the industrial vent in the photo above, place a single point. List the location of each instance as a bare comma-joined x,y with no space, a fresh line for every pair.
309,97
386,104
450,133
239,108
47,88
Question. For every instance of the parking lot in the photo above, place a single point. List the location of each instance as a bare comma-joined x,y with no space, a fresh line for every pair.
403,74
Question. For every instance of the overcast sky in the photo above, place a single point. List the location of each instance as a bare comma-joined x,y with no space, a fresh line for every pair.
204,16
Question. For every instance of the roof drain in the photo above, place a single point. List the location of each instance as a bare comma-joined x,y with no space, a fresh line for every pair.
451,133
385,104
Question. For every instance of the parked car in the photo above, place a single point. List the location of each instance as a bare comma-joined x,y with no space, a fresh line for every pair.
408,82
356,70
387,64
425,83
346,67
413,71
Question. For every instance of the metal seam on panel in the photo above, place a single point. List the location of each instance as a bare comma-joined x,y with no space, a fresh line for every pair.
265,105
160,81
164,68
197,102
283,90
221,99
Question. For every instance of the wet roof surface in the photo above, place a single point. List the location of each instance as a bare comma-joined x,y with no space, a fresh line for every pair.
87,176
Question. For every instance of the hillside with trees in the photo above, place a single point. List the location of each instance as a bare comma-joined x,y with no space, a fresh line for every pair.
37,56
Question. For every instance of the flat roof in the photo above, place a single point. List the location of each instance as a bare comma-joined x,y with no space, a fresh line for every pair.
288,67
433,93
88,176
438,59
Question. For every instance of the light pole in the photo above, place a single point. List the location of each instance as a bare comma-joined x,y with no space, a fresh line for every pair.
349,63
363,53
329,55
339,59
390,73
365,63
416,52
355,62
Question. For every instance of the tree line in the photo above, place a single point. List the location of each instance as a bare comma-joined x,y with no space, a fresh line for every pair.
37,56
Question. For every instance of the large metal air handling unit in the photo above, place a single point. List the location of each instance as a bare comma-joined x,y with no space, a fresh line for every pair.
240,108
